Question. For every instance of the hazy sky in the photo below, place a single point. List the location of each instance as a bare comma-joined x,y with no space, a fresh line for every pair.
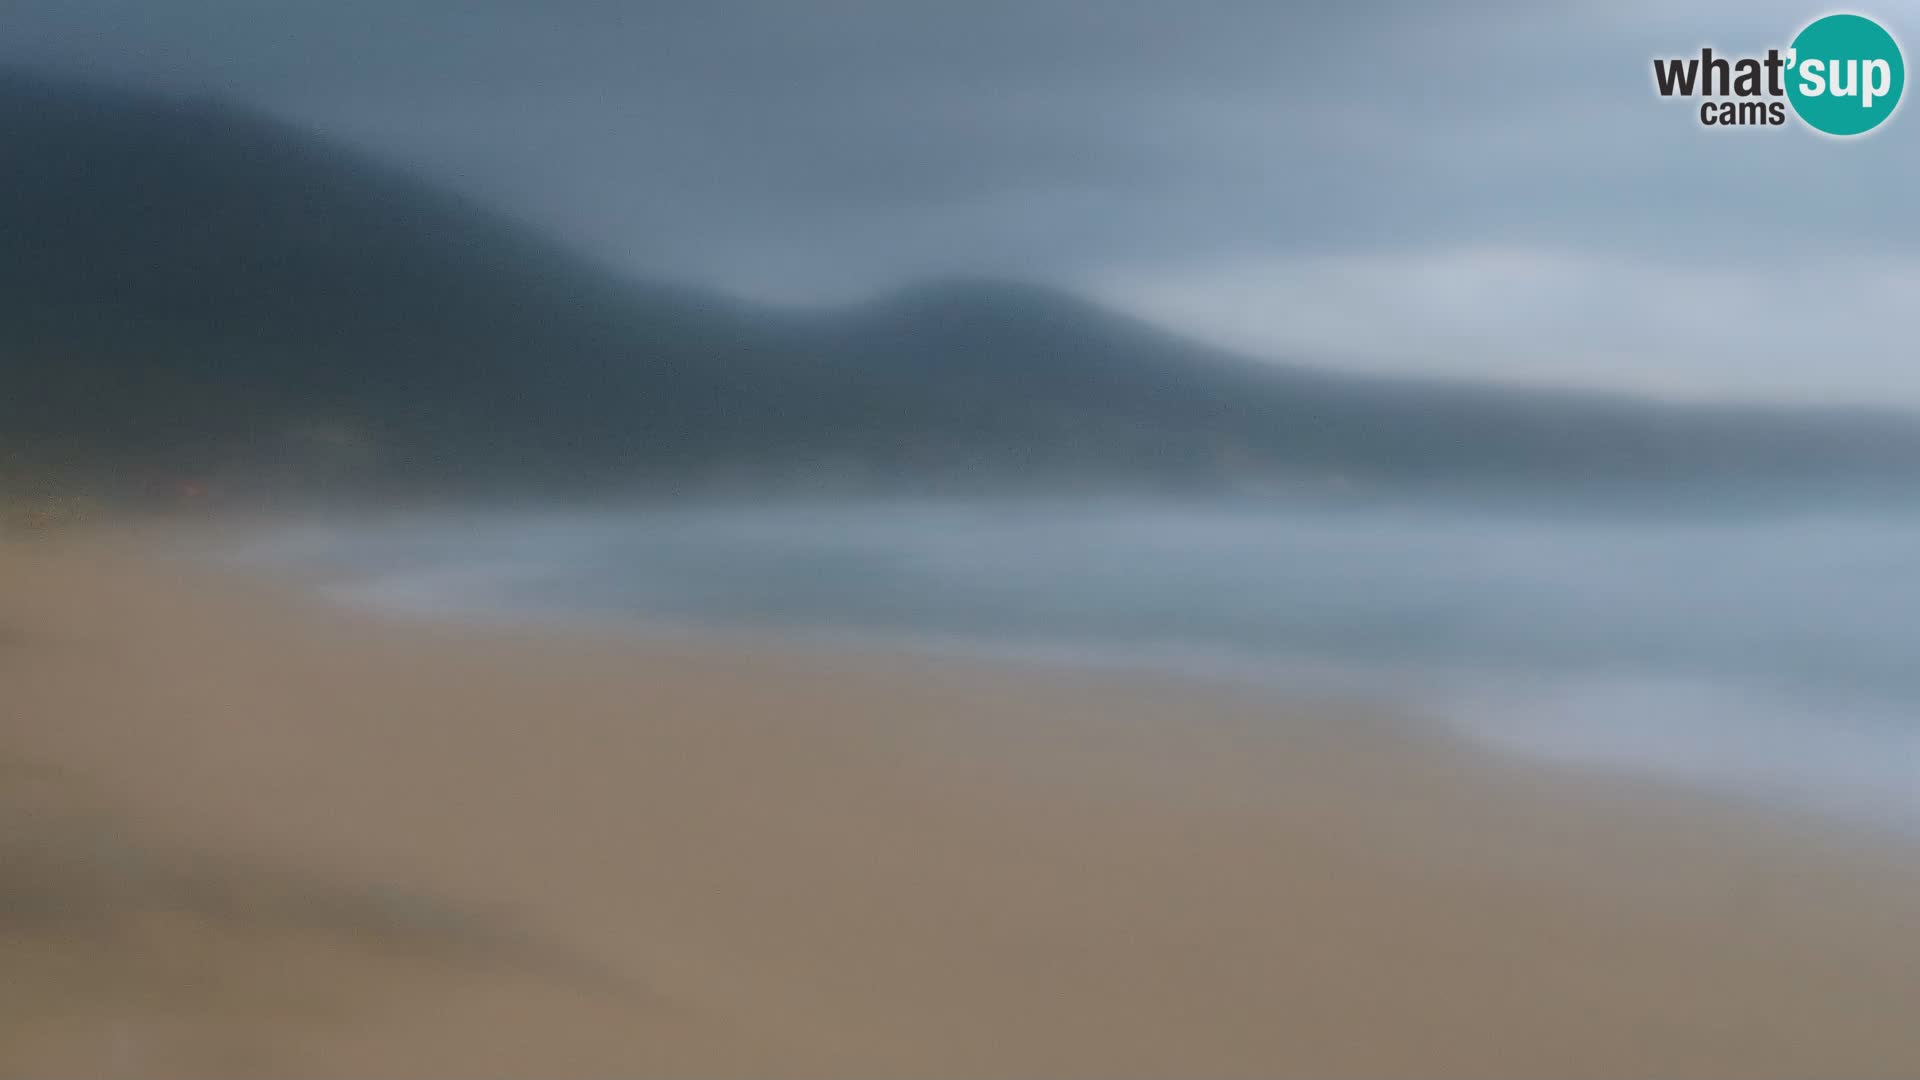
1462,188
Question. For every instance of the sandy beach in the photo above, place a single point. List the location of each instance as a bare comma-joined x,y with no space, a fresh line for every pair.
242,833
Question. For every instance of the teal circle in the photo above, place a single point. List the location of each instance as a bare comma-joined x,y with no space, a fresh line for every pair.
1854,53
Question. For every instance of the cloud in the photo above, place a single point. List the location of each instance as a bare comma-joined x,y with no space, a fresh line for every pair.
1832,330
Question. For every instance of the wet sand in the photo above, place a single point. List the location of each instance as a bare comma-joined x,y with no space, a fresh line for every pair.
243,834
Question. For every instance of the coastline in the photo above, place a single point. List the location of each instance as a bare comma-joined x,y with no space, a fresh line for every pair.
256,834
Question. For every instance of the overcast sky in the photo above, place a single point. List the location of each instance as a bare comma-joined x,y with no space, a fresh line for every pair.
1456,188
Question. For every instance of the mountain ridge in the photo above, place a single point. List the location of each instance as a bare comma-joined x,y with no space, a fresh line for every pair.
189,287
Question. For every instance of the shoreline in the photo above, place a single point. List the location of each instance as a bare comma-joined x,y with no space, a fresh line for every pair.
261,834
1434,703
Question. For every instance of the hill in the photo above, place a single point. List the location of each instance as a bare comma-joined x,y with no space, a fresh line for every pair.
192,289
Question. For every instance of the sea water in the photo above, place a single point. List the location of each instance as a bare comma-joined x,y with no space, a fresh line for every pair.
1774,652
